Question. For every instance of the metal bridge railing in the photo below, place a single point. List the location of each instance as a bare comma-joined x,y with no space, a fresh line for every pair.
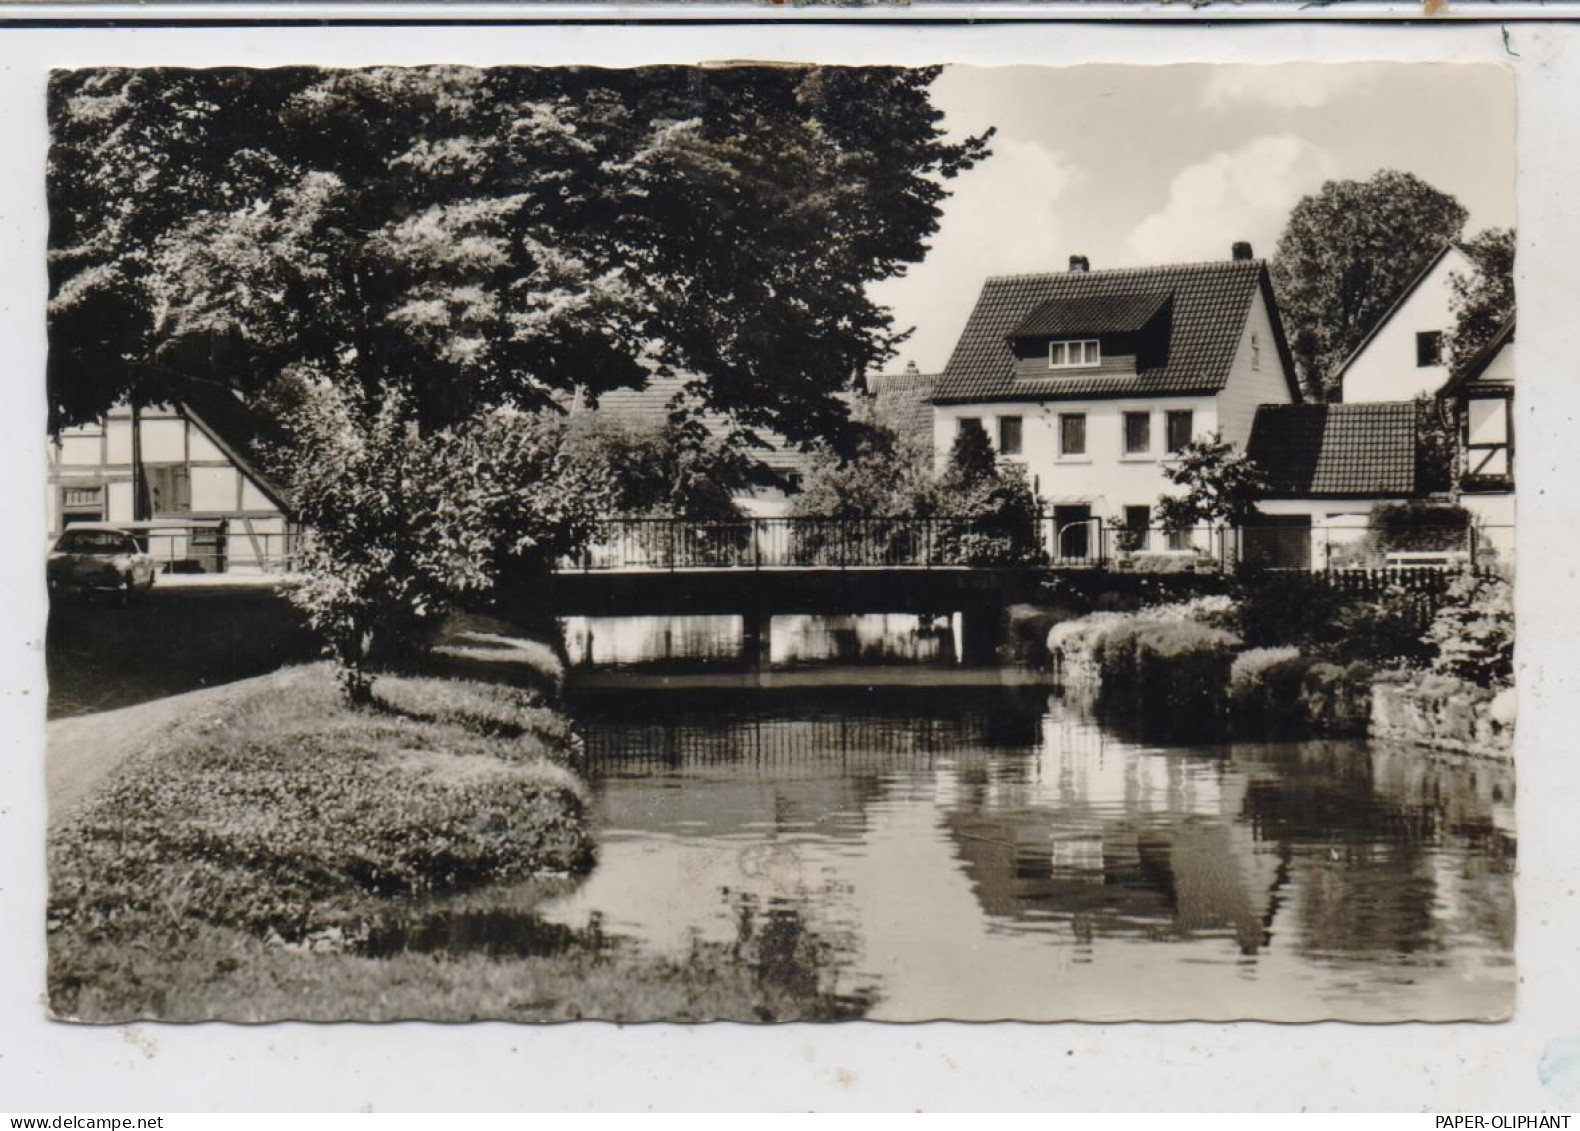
1059,541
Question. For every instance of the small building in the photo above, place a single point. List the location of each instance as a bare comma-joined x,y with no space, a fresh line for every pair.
1480,402
1405,352
903,401
208,505
1092,379
1327,467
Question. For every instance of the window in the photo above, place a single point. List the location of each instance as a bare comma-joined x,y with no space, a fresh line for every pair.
1487,436
1073,354
1428,348
1137,519
169,489
1138,433
1072,433
1180,539
1009,435
1181,426
1256,350
966,423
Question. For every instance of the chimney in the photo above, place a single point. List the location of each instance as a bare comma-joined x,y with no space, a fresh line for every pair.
911,370
1080,263
1241,251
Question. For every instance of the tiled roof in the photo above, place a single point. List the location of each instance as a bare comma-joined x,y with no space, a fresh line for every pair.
1210,305
903,402
1091,314
1348,450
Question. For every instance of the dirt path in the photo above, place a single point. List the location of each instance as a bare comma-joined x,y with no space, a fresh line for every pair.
80,753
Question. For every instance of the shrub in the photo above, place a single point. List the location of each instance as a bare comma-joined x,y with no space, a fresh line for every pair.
1385,628
1079,638
1337,699
1276,609
1417,525
408,524
1473,631
1179,667
1174,562
1265,688
1218,610
1028,632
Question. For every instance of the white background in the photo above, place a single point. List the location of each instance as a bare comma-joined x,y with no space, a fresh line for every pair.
1528,1064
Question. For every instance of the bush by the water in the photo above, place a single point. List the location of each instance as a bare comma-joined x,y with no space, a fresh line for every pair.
1264,688
1473,632
1275,610
1178,666
1280,690
1216,610
1026,630
1336,699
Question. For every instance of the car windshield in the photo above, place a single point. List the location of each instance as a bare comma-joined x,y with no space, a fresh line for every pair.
96,542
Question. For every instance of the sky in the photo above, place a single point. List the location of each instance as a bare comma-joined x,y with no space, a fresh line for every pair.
1136,165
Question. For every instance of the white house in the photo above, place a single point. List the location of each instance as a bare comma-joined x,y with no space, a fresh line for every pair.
1091,378
1480,401
208,505
1405,354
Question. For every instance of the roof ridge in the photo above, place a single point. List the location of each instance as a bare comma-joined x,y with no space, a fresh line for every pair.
1026,276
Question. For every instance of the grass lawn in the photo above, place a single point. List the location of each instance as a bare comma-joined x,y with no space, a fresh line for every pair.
238,862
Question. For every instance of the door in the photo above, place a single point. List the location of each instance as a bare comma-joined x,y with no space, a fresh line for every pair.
1073,528
1279,541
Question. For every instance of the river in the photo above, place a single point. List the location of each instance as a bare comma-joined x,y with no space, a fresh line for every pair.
932,841
986,852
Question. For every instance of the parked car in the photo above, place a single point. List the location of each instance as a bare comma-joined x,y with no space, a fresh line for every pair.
95,557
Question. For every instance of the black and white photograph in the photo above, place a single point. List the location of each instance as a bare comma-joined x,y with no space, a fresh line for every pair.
792,542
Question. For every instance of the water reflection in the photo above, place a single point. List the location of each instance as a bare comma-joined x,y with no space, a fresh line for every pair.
982,852
704,641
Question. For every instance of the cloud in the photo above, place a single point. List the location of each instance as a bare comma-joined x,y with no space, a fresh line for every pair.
1244,194
1003,217
1284,86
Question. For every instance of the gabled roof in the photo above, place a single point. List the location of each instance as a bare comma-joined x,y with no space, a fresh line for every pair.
1336,450
1481,359
1208,311
1092,314
1393,308
234,429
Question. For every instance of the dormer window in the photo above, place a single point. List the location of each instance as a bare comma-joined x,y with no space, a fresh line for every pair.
1079,353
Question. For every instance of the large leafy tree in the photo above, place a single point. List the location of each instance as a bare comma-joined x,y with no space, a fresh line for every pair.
1483,299
1346,253
385,260
487,237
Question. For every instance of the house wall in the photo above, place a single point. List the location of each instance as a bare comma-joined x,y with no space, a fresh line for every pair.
90,477
1385,370
1501,367
1105,477
1116,358
1494,516
1257,376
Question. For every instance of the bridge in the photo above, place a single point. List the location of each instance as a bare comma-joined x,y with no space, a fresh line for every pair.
757,568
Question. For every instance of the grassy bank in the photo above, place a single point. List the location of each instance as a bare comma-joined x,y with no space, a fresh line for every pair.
235,865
